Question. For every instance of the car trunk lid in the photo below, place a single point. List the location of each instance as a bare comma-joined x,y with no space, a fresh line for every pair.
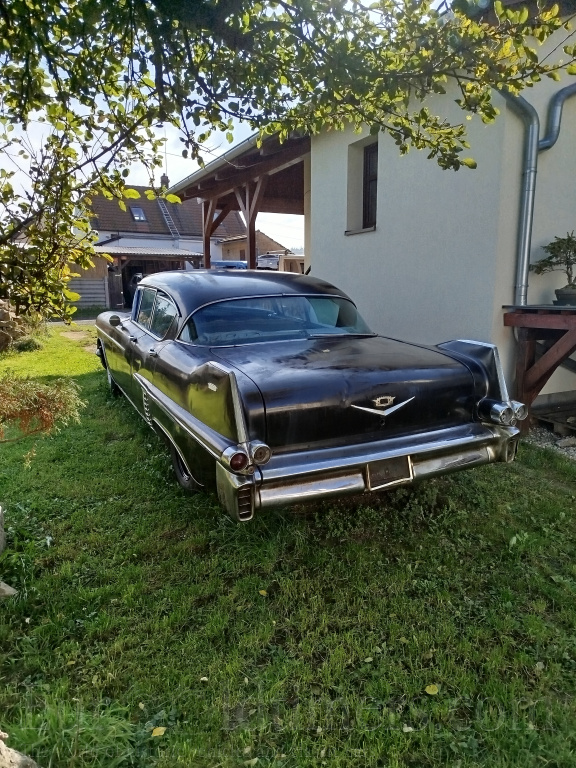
332,391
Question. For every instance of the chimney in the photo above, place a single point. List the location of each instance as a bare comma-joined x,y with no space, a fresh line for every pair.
164,181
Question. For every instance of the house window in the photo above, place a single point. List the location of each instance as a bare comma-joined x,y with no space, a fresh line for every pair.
362,186
137,213
370,185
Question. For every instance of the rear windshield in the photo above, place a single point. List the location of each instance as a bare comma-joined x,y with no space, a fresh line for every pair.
273,318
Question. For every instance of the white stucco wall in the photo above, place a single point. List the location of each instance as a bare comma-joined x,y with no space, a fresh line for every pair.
442,259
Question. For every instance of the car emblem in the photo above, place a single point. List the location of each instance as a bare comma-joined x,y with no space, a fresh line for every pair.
383,401
385,412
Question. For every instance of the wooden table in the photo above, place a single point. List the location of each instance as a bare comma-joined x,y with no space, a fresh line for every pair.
551,323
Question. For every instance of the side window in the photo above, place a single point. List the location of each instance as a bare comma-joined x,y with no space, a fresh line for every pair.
164,314
145,305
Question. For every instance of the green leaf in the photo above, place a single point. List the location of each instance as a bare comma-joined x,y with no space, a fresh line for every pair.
132,194
173,199
468,162
122,205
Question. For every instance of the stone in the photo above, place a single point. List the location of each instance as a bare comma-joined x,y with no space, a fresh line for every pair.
10,758
7,591
566,442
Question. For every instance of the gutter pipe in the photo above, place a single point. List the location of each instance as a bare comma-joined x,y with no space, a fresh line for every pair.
532,146
531,122
555,116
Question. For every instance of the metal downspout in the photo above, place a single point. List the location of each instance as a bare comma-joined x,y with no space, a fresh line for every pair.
555,117
532,145
527,194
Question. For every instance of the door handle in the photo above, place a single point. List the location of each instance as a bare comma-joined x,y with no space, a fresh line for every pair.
133,338
152,352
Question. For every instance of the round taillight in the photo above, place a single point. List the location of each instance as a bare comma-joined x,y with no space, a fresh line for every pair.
238,461
502,413
261,454
520,410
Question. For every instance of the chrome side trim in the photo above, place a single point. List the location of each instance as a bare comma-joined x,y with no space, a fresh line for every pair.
241,428
212,441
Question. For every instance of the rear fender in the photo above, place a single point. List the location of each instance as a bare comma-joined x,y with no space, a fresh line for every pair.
483,362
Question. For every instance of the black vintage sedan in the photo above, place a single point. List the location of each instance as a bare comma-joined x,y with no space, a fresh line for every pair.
272,388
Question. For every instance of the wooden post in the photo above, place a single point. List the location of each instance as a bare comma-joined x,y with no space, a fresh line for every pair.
208,210
249,197
211,224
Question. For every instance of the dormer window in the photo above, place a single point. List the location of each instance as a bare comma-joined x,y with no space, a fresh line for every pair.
137,213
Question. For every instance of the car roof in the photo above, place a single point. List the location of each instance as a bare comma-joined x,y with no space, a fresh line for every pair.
194,288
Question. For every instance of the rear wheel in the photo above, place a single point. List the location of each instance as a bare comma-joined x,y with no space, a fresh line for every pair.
183,474
115,390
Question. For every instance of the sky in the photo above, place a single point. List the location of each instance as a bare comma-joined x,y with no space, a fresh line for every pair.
288,230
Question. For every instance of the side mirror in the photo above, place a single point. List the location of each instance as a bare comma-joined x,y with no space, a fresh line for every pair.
114,321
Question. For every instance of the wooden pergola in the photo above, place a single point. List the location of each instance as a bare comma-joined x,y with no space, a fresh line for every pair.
251,178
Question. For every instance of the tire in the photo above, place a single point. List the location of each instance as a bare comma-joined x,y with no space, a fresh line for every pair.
185,479
115,390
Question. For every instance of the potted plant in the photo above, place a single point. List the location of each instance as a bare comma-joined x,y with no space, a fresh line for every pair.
561,257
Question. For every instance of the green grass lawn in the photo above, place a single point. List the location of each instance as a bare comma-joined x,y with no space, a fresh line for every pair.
426,627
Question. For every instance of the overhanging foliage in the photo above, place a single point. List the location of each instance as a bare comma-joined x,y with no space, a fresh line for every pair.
95,77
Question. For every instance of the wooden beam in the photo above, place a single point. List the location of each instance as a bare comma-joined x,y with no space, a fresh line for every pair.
524,320
525,356
249,197
539,373
282,205
220,218
282,160
208,211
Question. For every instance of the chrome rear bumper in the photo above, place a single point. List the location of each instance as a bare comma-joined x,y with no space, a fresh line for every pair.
320,474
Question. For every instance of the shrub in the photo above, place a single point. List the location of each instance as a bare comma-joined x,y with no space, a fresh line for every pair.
27,344
30,407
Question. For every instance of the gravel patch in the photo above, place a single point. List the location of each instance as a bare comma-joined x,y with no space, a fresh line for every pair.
545,438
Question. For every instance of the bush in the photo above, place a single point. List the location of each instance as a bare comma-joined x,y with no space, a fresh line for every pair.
27,344
29,406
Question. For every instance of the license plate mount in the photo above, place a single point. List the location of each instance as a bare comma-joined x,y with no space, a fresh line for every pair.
387,472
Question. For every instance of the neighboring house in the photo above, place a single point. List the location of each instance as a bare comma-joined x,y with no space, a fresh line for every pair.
149,236
235,248
429,255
